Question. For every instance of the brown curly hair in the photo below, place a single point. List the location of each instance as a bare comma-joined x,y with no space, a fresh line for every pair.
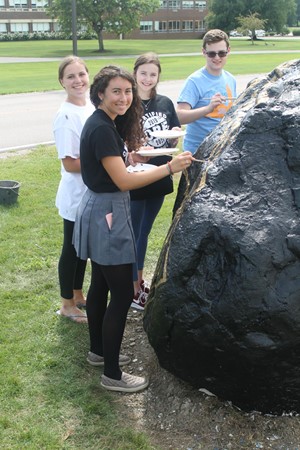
213,36
129,124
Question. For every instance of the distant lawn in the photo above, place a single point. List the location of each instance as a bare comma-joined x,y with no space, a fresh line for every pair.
42,76
57,49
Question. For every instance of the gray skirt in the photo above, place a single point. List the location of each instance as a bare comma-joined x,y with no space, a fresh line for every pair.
103,230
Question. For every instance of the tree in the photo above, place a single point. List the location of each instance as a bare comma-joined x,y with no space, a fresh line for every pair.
275,11
298,12
221,14
224,13
251,23
116,16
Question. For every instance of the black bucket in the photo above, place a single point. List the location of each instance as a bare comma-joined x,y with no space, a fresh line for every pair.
9,191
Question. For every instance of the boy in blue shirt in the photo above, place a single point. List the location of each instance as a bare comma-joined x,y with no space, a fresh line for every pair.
207,93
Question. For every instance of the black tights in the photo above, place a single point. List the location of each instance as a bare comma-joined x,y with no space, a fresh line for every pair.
107,320
71,269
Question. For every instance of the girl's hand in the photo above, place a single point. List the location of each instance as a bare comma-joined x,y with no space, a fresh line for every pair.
181,162
134,157
174,142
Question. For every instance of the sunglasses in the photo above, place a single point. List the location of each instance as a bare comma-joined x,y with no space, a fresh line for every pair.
221,54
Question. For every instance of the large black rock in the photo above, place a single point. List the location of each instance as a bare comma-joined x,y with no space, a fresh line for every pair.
224,306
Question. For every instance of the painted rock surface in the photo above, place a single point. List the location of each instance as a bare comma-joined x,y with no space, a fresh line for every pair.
224,307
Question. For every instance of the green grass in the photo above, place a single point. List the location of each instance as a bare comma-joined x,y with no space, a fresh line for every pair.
50,398
42,76
54,49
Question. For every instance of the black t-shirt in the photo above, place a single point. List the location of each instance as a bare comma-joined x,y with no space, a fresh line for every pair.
99,138
159,114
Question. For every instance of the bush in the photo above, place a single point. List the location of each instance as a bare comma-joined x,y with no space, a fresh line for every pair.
45,36
285,30
296,32
86,35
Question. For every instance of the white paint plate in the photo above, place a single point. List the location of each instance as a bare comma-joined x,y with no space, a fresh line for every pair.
158,151
168,134
140,167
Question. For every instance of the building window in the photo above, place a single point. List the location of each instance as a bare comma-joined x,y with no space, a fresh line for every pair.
3,28
160,27
40,26
2,3
146,26
187,4
200,4
174,4
187,25
199,25
163,4
174,25
19,27
38,4
17,4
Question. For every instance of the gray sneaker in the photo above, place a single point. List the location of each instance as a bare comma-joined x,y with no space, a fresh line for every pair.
96,360
128,383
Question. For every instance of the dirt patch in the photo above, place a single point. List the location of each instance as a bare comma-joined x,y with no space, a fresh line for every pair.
9,154
177,416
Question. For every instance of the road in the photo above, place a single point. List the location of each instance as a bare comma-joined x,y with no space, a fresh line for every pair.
26,119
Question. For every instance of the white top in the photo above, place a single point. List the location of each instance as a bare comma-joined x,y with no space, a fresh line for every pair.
67,128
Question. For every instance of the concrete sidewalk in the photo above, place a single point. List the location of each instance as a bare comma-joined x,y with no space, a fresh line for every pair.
26,119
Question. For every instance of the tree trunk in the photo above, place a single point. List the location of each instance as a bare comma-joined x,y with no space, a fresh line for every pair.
100,42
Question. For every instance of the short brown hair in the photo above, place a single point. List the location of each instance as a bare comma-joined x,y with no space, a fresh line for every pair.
213,36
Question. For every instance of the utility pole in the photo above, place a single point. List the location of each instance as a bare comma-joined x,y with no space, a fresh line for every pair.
74,28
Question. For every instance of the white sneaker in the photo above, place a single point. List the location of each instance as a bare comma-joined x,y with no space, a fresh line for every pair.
128,383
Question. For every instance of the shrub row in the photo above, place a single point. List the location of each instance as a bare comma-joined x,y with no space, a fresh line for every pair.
45,36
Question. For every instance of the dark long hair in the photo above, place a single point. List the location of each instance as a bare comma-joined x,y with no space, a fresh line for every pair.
129,124
148,58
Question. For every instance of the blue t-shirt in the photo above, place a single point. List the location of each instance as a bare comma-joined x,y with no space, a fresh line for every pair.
202,85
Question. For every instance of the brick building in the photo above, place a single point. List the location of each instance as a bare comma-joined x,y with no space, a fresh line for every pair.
177,19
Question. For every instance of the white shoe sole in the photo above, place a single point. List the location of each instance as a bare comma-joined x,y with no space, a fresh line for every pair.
122,362
137,306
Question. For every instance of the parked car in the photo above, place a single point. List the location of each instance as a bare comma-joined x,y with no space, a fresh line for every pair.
235,33
258,33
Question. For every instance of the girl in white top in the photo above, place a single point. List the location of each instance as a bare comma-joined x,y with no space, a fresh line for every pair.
70,118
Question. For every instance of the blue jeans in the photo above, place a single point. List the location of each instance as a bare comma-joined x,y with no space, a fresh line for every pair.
143,215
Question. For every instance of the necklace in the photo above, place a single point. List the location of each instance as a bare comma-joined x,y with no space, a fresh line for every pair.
146,103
